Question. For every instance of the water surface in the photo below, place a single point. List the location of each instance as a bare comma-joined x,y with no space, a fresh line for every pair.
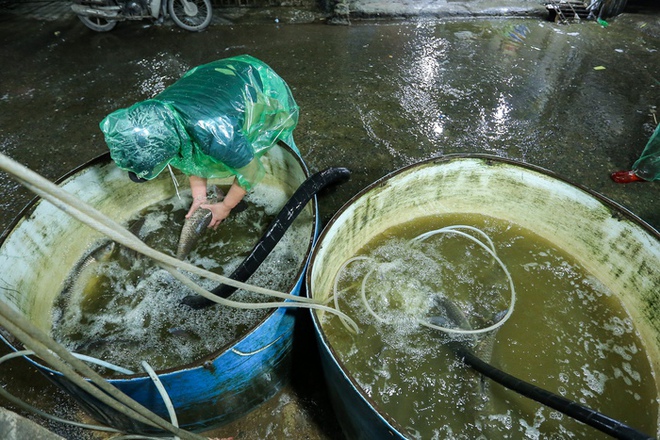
568,334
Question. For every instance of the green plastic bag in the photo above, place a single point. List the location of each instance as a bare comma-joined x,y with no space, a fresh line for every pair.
648,165
216,121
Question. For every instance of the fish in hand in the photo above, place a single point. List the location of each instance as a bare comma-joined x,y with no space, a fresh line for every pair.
196,224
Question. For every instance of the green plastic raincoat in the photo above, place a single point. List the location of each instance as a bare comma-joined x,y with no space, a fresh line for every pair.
216,121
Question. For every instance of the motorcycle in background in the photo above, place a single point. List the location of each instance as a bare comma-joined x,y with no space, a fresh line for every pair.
103,15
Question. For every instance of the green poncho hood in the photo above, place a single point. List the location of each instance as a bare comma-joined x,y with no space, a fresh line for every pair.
144,138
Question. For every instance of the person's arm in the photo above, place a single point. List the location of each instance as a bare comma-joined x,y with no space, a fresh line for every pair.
221,210
198,189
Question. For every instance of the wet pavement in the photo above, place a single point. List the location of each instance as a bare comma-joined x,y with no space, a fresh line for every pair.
578,99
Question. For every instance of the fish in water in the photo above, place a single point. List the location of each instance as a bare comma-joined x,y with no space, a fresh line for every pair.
482,345
183,334
97,346
278,227
196,224
81,275
454,317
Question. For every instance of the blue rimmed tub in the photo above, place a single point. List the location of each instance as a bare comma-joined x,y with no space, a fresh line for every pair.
43,245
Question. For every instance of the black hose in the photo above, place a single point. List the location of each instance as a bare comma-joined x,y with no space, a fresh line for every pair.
274,233
581,413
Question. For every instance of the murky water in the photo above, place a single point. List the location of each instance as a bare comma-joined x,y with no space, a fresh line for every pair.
568,334
373,97
123,309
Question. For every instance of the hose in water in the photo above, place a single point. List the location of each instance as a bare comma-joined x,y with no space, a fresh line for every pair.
572,409
275,231
490,249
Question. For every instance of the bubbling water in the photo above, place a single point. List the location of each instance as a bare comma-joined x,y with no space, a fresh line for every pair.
413,282
123,309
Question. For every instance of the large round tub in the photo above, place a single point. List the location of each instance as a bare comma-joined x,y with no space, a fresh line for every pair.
611,243
44,244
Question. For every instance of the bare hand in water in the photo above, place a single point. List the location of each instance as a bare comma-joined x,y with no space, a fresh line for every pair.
220,212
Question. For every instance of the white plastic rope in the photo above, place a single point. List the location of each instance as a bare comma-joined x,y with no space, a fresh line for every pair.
491,251
163,394
488,246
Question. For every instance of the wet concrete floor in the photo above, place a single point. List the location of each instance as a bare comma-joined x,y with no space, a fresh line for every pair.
578,99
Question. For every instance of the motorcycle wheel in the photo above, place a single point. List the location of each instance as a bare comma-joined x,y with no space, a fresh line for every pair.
98,24
191,15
